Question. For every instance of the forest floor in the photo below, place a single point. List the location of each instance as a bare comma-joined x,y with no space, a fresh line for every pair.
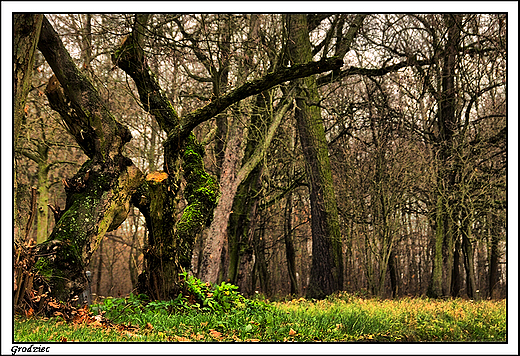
343,317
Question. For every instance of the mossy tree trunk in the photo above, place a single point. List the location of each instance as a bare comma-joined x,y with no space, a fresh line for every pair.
98,195
327,258
445,212
170,241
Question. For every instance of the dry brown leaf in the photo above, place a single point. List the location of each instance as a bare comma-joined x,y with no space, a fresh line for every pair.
149,326
182,339
29,312
292,332
96,324
199,336
54,305
215,333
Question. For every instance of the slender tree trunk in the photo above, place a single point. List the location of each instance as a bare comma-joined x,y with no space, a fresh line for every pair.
456,281
260,261
435,289
392,267
241,221
289,245
220,86
494,254
467,249
43,201
327,257
246,197
132,263
238,223
100,265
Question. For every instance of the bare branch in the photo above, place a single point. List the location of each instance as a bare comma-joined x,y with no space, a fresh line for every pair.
191,120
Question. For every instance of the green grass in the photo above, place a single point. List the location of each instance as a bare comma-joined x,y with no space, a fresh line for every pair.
340,318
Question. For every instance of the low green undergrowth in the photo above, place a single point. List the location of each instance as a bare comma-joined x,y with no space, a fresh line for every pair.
220,313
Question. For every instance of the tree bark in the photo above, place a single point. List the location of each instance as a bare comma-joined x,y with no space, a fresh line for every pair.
456,282
211,257
288,225
327,260
43,196
494,254
98,196
231,177
468,251
392,269
26,29
289,246
444,142
26,34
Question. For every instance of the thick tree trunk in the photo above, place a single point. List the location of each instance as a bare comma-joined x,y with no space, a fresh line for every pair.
327,260
170,241
98,196
444,142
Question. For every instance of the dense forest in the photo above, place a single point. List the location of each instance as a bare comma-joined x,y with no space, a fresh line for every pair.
288,154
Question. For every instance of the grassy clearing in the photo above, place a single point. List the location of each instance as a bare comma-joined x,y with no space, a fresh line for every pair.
340,318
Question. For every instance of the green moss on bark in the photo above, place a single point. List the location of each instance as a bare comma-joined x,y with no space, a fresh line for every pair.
202,192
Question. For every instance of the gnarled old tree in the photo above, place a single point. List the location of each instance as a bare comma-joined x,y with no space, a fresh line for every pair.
99,195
